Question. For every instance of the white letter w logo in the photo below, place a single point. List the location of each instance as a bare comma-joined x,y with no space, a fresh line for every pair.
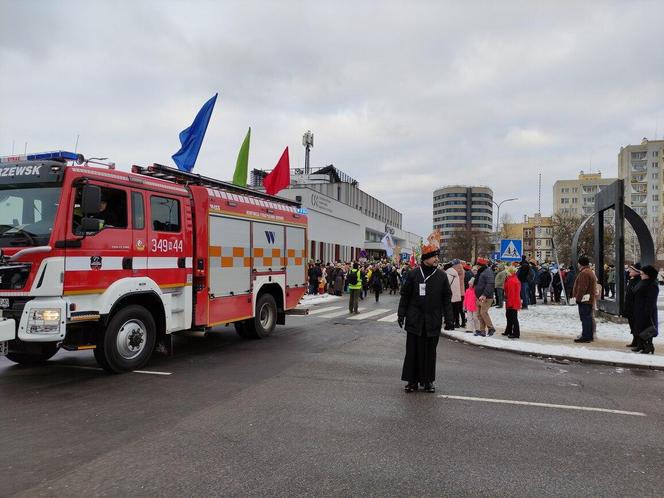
270,237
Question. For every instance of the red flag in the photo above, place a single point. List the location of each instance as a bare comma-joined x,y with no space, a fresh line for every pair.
411,261
279,177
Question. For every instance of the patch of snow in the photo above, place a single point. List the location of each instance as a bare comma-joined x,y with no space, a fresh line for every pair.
573,351
562,320
314,299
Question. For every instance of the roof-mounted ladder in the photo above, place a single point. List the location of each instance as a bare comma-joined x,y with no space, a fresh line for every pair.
185,178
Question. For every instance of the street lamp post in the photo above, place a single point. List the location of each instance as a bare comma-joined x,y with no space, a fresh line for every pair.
498,204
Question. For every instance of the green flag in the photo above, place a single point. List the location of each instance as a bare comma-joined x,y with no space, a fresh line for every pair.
242,164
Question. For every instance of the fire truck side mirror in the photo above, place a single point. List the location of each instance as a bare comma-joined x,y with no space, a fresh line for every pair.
90,200
89,225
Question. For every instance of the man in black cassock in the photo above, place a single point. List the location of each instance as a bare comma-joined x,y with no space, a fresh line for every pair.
426,298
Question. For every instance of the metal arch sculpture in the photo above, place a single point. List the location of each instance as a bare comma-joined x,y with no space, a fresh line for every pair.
575,241
613,197
646,243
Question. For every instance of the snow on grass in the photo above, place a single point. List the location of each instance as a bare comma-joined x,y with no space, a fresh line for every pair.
562,320
571,351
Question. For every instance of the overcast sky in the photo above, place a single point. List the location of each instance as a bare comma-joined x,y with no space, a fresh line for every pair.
403,96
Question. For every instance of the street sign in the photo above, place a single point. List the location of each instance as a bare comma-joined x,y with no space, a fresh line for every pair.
511,250
495,256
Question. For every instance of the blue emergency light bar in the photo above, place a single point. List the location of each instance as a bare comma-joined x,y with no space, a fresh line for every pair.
56,155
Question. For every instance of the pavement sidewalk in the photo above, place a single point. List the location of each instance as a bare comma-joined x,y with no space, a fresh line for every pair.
558,345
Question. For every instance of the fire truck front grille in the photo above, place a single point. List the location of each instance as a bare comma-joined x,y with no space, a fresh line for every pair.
15,309
14,277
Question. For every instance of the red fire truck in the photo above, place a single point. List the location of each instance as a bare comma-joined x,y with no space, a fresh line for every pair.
96,258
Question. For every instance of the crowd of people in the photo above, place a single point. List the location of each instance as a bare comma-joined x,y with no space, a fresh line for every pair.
458,295
477,288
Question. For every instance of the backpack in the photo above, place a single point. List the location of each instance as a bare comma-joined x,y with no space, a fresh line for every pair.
352,277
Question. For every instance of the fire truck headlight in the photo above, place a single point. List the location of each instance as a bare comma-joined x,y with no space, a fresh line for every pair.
44,321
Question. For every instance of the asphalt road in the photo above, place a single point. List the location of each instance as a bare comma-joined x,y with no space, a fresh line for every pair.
318,409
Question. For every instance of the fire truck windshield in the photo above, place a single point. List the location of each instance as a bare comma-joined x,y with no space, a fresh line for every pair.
27,215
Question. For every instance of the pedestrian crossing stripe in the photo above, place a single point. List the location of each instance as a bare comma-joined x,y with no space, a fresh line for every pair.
323,310
368,315
389,318
339,313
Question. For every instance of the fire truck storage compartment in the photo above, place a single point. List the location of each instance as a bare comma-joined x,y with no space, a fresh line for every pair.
229,256
268,247
296,274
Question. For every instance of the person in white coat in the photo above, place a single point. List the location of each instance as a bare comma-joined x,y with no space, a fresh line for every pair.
455,285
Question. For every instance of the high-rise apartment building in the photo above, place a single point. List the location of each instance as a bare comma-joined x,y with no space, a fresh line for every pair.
537,235
640,166
577,197
459,207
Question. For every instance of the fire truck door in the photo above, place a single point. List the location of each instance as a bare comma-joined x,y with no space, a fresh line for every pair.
167,248
103,257
139,234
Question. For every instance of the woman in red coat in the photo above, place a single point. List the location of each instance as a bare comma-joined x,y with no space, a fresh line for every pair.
512,303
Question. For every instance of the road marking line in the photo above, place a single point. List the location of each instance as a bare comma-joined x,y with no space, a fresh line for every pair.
151,373
338,313
323,310
362,316
545,405
389,318
80,367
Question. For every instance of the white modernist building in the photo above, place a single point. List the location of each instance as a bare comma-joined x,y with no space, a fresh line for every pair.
344,221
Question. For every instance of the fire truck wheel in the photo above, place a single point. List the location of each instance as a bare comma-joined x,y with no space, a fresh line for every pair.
128,341
33,354
266,316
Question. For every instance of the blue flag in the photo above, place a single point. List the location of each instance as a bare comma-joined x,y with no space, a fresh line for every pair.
192,138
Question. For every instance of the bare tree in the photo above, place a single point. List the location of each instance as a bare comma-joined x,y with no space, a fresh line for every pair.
564,228
468,245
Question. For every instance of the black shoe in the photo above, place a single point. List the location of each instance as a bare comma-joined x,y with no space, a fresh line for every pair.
490,332
410,388
512,336
633,344
505,333
429,387
637,349
648,349
582,339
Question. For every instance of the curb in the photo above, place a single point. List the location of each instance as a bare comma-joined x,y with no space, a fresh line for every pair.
544,356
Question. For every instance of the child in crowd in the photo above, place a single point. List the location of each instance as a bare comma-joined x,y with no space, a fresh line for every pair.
470,305
512,304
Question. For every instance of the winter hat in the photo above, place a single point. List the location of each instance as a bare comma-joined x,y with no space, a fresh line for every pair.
650,270
482,261
636,267
466,266
431,247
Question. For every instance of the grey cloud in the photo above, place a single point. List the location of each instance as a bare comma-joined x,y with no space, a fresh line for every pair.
403,96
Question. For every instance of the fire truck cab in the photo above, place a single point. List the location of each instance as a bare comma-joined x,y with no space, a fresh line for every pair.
96,258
